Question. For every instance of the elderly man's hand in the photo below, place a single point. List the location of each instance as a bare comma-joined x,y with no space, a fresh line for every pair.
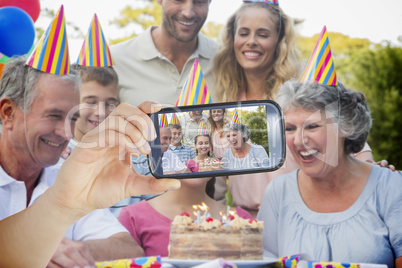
99,171
71,254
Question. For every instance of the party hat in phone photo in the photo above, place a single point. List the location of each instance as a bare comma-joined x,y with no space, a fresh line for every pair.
174,120
202,129
235,117
163,121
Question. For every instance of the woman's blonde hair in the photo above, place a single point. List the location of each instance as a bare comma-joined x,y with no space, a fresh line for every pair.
229,75
212,124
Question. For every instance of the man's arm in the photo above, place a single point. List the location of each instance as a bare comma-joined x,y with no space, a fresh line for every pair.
118,246
84,253
81,185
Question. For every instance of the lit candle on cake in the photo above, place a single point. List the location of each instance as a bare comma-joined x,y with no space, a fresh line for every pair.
198,214
232,215
223,217
204,208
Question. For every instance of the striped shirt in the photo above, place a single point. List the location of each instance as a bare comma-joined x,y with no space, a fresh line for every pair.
184,152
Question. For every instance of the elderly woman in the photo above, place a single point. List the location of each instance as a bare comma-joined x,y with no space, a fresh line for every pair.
242,154
335,207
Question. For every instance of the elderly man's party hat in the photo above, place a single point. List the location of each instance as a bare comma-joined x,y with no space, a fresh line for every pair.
320,67
202,129
195,90
163,121
235,117
51,53
174,120
95,51
274,2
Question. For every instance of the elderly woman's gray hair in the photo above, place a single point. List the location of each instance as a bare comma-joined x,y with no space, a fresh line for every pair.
353,114
19,82
241,128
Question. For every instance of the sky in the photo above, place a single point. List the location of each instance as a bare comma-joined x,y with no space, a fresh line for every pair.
371,19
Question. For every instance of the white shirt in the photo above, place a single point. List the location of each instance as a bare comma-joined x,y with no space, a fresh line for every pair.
190,128
171,162
145,74
99,224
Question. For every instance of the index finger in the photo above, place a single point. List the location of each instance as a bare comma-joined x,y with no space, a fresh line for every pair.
138,117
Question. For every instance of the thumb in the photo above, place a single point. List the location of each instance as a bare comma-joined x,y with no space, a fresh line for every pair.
144,185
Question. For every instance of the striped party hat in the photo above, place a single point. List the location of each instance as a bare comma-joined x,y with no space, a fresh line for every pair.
163,121
195,90
289,261
202,129
235,118
274,2
95,51
174,120
320,67
51,53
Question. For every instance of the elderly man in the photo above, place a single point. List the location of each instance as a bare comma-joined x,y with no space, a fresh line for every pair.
170,161
155,64
34,109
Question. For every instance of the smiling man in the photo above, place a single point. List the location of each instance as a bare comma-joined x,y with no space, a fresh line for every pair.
34,109
155,64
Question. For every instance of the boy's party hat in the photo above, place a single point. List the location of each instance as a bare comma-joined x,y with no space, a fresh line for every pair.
163,121
95,51
195,90
202,129
174,120
320,67
274,2
51,53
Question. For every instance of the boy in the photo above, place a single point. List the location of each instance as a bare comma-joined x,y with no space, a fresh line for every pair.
184,152
98,98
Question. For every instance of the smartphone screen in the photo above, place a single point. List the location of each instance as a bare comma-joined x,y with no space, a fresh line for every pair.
217,140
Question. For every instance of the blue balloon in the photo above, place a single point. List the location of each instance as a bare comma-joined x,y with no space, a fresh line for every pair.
17,32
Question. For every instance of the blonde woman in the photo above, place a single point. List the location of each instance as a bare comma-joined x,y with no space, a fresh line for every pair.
257,56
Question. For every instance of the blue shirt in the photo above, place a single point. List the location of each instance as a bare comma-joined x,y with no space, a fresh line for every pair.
370,231
184,152
256,158
141,166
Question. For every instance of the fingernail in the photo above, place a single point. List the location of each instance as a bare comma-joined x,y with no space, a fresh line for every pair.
146,148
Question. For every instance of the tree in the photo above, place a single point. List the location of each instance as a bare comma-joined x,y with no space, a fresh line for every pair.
139,18
377,73
257,122
341,47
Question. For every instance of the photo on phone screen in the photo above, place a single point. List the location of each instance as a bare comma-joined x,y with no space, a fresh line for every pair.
217,139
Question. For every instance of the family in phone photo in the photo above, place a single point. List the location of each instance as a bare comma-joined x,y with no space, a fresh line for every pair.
211,140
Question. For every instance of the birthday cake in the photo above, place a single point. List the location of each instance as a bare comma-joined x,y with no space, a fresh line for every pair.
235,239
210,164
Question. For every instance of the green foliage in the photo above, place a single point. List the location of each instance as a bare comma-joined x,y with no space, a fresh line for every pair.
257,122
377,73
143,17
212,30
341,45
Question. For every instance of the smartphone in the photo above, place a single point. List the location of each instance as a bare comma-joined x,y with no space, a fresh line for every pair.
217,139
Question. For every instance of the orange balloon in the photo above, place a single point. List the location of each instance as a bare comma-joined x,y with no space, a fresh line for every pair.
1,68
